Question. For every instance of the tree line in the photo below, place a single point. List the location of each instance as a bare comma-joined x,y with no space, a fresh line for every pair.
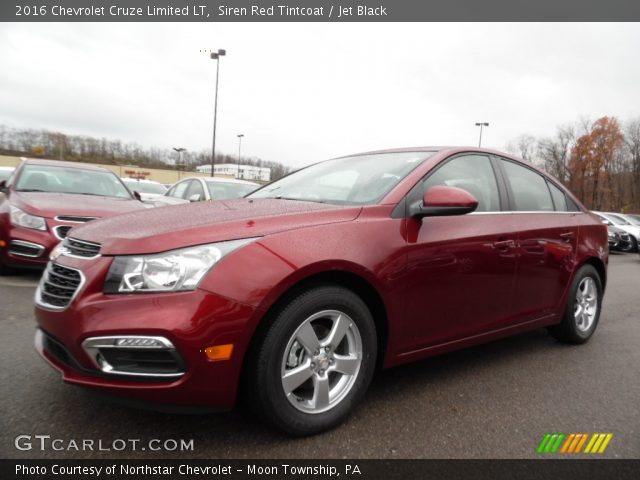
35,143
599,161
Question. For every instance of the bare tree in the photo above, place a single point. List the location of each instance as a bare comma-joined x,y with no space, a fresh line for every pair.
555,152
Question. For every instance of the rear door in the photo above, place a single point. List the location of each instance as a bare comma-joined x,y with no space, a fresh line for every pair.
547,239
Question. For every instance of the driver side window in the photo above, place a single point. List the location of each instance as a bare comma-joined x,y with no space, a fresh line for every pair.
178,191
472,173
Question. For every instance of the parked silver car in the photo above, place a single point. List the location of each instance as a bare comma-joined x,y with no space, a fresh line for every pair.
198,189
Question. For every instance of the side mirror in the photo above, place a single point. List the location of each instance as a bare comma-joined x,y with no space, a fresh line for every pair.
441,200
137,195
195,197
3,187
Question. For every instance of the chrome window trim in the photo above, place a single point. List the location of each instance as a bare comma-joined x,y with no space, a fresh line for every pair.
41,303
515,212
92,346
24,243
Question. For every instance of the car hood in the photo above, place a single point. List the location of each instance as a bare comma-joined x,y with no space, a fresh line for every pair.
168,228
51,204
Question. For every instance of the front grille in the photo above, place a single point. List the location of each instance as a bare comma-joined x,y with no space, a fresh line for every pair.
142,362
25,249
80,248
61,231
58,286
74,218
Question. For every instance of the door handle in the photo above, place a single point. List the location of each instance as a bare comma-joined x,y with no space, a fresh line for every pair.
504,244
566,236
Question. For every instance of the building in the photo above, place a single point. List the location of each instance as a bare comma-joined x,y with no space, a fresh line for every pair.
246,172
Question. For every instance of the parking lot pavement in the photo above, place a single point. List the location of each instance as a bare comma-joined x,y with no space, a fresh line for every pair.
492,401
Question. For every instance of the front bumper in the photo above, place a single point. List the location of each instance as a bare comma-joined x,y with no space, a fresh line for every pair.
27,248
191,321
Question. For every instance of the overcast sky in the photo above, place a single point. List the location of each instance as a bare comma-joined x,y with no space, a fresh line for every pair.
305,92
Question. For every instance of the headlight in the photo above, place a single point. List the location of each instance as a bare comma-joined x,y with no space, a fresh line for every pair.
173,271
23,219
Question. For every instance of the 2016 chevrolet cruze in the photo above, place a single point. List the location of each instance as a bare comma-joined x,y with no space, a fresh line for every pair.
291,297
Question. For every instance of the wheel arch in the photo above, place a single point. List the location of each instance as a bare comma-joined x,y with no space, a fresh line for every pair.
344,278
600,267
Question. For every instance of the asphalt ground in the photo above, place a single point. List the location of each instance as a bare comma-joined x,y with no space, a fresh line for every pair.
496,400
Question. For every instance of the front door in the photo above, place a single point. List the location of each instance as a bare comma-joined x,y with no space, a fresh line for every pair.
460,272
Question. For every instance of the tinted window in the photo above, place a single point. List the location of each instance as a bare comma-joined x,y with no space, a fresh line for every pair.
559,199
530,191
472,173
223,191
618,220
196,189
58,179
178,190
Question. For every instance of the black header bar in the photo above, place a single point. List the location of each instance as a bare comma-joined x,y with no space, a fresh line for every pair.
320,11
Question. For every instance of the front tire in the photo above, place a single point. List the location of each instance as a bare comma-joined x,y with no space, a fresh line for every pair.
315,362
582,313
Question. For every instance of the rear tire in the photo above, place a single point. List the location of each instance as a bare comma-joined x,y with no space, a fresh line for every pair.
582,312
315,362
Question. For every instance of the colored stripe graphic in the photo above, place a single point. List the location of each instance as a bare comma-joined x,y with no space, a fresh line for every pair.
551,442
572,443
598,443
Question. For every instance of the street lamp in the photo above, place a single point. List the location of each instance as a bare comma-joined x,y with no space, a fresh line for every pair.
240,135
481,124
179,150
216,57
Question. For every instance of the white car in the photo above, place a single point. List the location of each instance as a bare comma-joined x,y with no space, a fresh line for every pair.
199,189
5,173
148,189
618,220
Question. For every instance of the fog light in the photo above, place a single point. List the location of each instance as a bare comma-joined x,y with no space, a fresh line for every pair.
138,342
217,353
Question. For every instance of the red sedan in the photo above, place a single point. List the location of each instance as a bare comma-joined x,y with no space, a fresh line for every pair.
293,296
44,199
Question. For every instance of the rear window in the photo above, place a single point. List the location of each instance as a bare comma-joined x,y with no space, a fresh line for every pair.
529,188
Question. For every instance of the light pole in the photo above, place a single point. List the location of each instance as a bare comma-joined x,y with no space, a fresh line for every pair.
179,150
240,135
216,57
481,124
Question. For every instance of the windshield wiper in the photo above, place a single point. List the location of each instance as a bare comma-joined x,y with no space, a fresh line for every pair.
280,197
29,190
87,193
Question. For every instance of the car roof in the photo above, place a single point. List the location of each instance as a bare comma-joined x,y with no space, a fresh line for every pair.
60,163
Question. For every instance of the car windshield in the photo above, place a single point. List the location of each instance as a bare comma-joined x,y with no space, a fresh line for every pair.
223,190
49,178
617,220
357,180
635,219
145,187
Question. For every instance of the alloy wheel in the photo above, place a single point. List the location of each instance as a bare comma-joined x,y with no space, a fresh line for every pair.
321,361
